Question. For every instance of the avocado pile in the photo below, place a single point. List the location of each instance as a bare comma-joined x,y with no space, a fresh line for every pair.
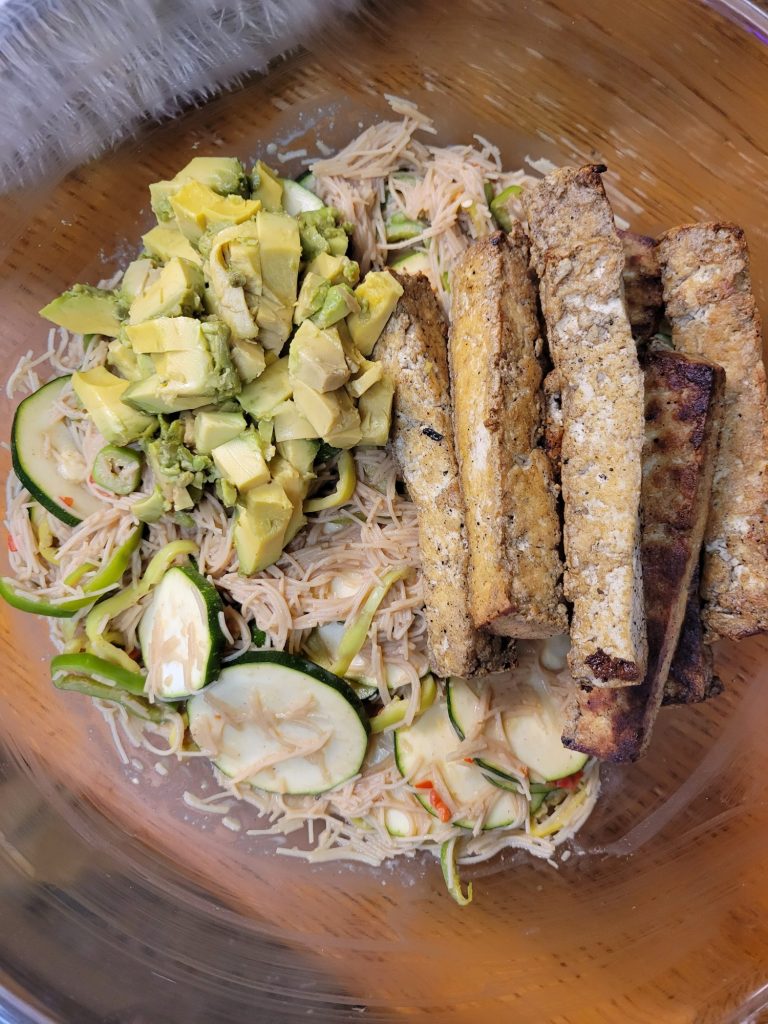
239,347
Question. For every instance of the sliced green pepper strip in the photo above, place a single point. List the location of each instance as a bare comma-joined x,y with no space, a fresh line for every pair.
345,488
117,470
98,669
499,208
38,517
394,712
64,609
113,571
451,873
488,192
90,688
77,574
357,631
98,617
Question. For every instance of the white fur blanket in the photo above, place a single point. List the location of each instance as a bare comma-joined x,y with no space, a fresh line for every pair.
79,75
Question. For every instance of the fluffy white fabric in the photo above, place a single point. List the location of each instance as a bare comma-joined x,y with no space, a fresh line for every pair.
79,75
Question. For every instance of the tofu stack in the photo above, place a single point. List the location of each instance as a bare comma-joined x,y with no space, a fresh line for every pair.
579,259
513,526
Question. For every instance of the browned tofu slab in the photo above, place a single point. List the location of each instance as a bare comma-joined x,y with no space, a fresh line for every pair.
683,412
510,497
413,351
712,312
642,285
579,259
691,676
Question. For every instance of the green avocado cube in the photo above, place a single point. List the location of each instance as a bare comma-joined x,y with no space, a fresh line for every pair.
377,296
248,357
101,392
216,428
198,208
138,275
122,358
233,272
312,294
339,302
335,269
347,431
186,373
241,461
151,508
271,389
266,186
375,408
370,373
177,291
86,310
300,453
167,334
166,241
153,395
296,486
323,410
280,246
316,358
222,174
290,425
260,527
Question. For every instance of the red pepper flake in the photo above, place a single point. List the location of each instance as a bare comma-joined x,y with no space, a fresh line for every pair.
11,543
442,808
69,502
426,784
135,654
570,781
469,760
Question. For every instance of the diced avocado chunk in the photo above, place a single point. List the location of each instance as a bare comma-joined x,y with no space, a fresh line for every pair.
370,373
222,174
226,492
166,241
122,358
316,358
248,357
216,428
266,186
87,310
322,232
335,269
151,508
347,431
312,294
241,461
179,473
177,291
151,395
377,295
233,270
375,408
261,522
101,392
198,208
166,334
271,389
300,453
323,410
280,257
339,302
290,425
296,486
138,275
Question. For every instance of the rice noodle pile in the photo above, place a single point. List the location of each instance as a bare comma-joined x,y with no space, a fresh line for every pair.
329,569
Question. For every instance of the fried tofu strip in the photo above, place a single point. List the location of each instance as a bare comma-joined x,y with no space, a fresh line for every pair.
513,527
642,285
710,305
579,259
691,677
413,351
683,412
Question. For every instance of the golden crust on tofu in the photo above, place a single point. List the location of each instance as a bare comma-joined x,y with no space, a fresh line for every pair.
691,676
510,497
710,305
413,351
579,260
642,284
683,413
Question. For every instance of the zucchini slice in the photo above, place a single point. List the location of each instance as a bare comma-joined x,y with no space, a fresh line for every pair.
414,262
41,443
180,634
533,738
428,742
298,199
268,705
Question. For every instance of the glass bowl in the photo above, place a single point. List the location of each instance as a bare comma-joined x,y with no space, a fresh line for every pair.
121,904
